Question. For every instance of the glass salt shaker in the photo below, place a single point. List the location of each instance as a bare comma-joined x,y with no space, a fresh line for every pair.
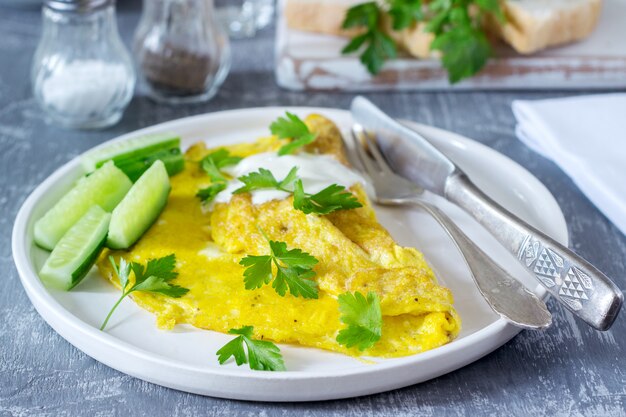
181,53
82,74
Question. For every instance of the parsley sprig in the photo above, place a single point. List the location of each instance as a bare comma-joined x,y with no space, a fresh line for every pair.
261,354
292,127
405,12
332,198
363,317
207,194
456,25
459,35
215,161
378,46
212,165
293,270
155,277
263,179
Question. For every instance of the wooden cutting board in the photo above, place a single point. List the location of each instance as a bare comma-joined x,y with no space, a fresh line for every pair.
308,61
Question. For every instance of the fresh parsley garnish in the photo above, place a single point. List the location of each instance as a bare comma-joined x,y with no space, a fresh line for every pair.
405,12
456,25
262,355
332,198
212,165
363,317
292,128
215,161
378,46
294,271
459,36
208,194
263,179
155,277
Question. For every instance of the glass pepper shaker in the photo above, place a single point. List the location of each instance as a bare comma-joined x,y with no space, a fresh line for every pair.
181,52
82,74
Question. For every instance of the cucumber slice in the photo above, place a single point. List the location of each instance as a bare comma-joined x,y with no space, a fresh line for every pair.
140,208
105,187
138,146
136,155
77,251
134,167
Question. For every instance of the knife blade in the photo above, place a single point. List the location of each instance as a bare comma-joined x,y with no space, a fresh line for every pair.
419,161
574,282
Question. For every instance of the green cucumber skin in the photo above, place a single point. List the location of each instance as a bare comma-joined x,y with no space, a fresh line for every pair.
70,274
175,163
140,208
86,266
130,148
136,152
172,158
106,187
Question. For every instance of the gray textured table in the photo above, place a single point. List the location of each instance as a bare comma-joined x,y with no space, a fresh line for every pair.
569,370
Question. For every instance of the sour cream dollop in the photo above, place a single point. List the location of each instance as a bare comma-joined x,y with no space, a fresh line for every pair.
316,172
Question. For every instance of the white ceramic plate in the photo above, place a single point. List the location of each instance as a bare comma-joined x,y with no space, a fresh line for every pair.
185,358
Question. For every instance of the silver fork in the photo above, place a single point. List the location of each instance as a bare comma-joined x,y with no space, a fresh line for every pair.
505,295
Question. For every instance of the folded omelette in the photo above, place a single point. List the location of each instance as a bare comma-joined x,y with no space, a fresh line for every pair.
354,251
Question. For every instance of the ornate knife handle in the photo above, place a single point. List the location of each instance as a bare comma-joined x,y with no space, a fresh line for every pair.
571,280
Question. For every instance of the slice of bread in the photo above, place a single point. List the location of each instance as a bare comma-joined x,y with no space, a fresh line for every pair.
320,16
326,16
414,40
531,25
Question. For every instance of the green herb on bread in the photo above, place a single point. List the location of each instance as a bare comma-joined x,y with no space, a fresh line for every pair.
455,24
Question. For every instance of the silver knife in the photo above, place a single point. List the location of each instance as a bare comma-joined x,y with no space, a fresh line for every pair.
574,282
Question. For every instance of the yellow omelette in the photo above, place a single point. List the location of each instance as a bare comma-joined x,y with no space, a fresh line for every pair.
354,251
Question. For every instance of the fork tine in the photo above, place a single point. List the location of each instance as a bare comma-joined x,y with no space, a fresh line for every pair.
372,147
364,158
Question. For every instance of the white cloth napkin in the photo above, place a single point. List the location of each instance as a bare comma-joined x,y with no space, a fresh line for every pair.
586,137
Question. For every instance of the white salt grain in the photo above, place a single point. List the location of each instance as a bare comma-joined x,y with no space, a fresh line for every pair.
84,87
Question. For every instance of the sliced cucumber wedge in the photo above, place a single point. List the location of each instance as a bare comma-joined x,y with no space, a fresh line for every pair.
136,155
77,251
105,187
173,160
140,208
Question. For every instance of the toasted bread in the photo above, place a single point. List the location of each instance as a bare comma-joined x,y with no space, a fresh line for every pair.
533,25
530,25
319,16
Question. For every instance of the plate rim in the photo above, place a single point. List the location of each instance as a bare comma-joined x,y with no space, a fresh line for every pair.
63,321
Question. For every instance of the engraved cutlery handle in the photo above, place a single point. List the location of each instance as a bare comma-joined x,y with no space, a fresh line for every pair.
571,280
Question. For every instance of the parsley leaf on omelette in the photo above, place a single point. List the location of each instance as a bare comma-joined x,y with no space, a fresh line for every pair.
292,127
155,278
262,355
363,317
294,270
332,198
212,165
264,179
